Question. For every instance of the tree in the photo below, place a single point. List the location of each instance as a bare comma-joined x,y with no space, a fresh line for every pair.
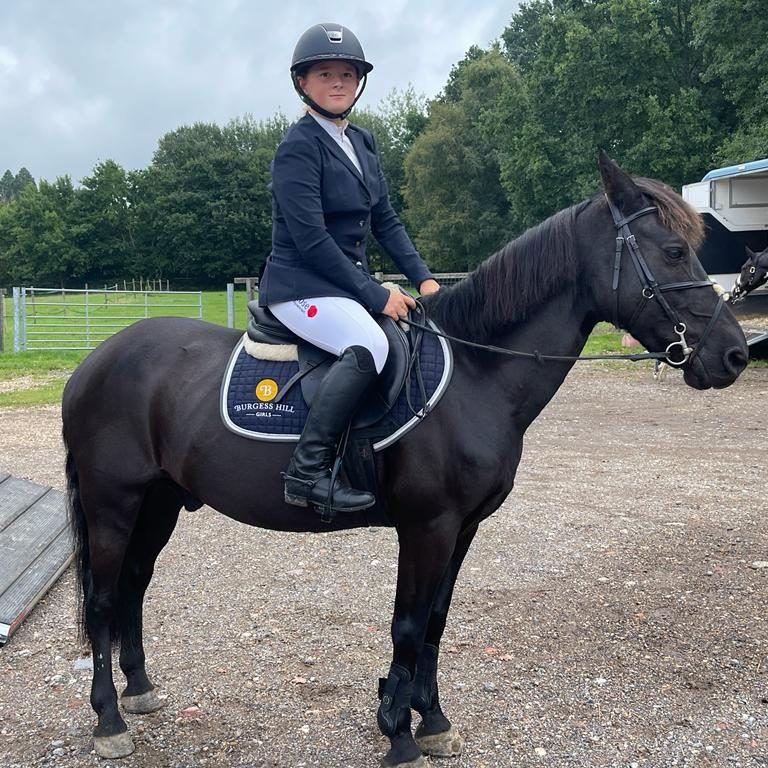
452,188
103,222
732,38
22,180
6,187
203,206
621,75
36,245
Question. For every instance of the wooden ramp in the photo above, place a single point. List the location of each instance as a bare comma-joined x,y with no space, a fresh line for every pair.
35,547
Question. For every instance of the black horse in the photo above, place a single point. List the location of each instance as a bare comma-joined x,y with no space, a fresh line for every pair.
754,273
144,436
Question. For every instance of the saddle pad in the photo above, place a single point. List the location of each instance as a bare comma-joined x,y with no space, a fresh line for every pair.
250,387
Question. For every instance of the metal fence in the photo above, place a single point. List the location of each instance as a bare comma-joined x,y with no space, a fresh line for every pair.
444,278
69,319
251,289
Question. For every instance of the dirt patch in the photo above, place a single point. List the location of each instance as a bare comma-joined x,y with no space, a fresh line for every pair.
612,613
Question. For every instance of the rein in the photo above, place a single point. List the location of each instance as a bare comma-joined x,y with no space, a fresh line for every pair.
651,289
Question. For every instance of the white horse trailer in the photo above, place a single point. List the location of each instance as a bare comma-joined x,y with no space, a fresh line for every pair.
734,204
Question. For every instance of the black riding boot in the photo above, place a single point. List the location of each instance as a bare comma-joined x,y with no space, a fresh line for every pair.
308,477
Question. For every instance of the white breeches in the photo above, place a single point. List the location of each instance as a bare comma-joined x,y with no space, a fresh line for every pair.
334,323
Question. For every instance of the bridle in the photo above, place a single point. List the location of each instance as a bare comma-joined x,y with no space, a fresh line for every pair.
652,289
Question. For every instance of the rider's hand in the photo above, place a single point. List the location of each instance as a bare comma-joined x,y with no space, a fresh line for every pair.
429,286
398,304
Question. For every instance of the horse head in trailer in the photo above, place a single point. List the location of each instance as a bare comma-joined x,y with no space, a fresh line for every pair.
754,273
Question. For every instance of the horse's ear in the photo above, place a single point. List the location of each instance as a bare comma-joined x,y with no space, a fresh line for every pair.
750,253
619,187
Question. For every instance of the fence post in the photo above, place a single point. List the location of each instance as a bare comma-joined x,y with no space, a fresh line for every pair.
87,320
2,318
16,321
230,305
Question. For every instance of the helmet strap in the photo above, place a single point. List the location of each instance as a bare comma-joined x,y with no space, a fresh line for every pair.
325,112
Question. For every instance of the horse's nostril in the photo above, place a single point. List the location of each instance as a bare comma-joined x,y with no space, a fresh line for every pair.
735,360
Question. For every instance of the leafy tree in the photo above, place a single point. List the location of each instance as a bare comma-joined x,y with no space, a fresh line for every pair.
732,37
203,209
452,188
6,187
623,75
22,180
36,246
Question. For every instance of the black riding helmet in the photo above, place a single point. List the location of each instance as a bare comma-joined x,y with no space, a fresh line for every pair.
328,42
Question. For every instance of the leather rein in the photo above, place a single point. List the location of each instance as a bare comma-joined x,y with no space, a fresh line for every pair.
651,290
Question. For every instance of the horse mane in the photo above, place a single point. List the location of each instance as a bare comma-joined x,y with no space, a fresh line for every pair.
674,213
503,289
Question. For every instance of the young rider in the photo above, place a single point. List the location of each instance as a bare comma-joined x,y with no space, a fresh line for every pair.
328,195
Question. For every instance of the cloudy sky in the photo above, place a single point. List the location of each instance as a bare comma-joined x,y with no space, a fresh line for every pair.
86,80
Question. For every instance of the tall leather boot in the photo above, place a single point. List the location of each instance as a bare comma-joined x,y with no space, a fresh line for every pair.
308,476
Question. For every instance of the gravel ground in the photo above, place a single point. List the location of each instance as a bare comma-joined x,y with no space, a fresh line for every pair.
612,613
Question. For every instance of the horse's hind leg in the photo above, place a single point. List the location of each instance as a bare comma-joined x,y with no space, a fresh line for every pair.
435,735
156,522
111,513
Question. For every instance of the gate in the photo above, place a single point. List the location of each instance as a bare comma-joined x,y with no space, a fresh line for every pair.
71,319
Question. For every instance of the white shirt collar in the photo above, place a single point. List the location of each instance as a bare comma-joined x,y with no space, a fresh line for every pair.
337,131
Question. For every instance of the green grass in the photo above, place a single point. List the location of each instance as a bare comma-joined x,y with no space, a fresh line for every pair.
45,394
36,367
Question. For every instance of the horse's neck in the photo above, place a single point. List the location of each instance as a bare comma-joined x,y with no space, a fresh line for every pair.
559,327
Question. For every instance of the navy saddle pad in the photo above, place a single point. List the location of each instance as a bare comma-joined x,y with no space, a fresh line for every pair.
254,405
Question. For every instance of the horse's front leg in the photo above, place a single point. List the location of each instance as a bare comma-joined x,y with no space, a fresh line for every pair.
425,554
435,735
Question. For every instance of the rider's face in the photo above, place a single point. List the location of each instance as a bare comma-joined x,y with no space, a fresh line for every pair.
331,84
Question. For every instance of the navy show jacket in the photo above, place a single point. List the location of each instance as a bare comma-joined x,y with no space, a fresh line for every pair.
322,213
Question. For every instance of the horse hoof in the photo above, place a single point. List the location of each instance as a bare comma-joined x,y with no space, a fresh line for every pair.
112,747
449,743
142,704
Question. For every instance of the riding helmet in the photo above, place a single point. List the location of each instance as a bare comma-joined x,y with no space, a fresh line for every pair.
324,42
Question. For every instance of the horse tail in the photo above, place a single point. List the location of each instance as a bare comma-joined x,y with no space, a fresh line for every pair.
79,529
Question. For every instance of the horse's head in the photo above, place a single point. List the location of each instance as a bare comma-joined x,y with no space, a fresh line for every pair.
754,273
647,279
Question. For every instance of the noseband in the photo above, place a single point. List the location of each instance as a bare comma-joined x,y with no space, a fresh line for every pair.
653,290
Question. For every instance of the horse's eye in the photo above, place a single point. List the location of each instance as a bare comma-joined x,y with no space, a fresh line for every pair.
676,254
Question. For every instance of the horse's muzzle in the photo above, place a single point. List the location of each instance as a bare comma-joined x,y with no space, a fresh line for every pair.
700,376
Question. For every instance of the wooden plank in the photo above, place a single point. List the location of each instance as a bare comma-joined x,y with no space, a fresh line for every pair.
16,496
30,533
35,547
22,596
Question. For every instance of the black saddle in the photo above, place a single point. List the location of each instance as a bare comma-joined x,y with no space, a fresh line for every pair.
265,328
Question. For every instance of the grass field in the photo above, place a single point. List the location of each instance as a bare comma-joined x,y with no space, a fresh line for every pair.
41,374
38,377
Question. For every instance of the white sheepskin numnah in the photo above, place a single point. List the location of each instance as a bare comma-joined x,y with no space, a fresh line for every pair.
279,352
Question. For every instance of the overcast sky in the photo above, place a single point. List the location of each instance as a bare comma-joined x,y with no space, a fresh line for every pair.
85,81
